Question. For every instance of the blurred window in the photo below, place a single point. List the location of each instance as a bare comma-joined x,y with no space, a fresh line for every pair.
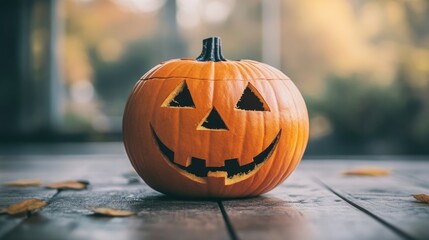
362,66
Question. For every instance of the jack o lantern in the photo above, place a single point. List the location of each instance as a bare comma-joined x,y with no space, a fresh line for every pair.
212,127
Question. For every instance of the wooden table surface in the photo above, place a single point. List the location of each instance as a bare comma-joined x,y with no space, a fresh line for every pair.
316,202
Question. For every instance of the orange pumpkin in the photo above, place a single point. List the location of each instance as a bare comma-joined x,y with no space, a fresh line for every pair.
212,127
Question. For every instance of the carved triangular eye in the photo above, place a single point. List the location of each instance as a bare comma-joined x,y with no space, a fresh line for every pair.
251,100
180,97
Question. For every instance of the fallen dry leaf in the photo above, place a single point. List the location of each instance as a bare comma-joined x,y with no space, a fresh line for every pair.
373,172
23,183
422,197
28,205
111,212
69,184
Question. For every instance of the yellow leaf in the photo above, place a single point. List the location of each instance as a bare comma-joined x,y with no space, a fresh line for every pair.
23,183
373,172
29,205
422,197
111,212
69,184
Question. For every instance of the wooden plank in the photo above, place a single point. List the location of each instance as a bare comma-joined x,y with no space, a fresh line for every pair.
98,169
49,169
294,209
415,173
387,199
302,209
159,217
113,184
9,195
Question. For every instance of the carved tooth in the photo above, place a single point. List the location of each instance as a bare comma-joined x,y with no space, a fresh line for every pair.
232,163
198,167
198,162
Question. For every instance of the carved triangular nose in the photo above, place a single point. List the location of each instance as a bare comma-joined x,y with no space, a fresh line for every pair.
213,121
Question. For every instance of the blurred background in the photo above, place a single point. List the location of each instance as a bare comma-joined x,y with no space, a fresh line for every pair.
67,66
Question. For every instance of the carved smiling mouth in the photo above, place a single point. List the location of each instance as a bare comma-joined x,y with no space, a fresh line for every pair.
231,169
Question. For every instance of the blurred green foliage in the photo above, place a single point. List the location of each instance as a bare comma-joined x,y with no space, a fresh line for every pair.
366,118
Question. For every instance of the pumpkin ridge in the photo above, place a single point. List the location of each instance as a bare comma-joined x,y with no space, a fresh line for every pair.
273,71
284,161
262,187
304,129
245,136
278,125
170,68
216,79
279,180
262,117
242,68
298,144
212,98
288,163
254,178
290,159
254,68
262,67
236,68
246,70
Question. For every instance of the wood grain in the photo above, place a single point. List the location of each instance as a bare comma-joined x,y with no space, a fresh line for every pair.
11,195
159,217
317,202
302,209
387,199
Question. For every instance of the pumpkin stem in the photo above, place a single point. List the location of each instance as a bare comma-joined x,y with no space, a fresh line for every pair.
212,50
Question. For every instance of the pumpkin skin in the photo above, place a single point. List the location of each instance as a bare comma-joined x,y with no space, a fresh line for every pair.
209,146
